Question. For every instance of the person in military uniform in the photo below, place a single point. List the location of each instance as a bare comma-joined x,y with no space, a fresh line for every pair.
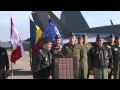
56,48
80,40
83,66
42,60
72,49
88,47
110,44
100,60
4,63
116,58
85,42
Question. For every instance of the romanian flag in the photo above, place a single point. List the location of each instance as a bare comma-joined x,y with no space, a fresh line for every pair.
35,36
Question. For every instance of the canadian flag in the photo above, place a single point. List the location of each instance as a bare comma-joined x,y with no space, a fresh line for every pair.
18,50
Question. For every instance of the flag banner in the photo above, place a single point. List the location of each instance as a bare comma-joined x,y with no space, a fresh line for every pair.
18,50
51,31
35,36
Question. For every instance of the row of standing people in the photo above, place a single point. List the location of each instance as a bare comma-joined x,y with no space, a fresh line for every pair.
96,60
103,58
71,49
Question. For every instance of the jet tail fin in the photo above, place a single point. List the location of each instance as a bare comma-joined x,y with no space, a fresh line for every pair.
41,19
74,20
111,22
64,31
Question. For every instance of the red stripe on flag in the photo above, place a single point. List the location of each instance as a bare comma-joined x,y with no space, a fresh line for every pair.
16,54
37,46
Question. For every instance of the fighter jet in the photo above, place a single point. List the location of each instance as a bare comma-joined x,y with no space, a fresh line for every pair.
73,21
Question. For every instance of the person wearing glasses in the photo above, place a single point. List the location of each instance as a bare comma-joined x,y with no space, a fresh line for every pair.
100,60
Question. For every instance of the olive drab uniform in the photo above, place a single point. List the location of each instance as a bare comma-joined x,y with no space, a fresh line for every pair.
100,60
110,74
83,69
56,50
116,59
69,50
42,64
4,62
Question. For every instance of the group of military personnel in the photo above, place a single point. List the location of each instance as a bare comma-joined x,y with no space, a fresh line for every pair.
101,60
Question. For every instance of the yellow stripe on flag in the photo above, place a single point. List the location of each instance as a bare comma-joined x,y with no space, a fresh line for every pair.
38,33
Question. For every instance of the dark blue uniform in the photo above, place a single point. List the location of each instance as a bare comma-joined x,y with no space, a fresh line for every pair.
4,62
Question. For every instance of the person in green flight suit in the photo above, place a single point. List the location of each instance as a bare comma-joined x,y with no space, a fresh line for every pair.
72,49
83,68
110,44
88,47
116,58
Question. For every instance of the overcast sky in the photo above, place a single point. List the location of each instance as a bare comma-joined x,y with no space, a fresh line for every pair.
21,21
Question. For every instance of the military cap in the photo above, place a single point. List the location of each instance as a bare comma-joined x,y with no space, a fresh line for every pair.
117,37
112,35
72,34
57,37
99,37
84,35
80,37
46,40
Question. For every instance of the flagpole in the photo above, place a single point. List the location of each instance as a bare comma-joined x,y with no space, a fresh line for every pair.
30,57
11,65
11,49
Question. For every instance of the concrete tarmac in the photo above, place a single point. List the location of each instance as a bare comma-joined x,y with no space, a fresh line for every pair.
21,69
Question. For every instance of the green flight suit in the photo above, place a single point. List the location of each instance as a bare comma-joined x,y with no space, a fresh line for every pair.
109,45
69,50
89,46
100,73
83,70
116,59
